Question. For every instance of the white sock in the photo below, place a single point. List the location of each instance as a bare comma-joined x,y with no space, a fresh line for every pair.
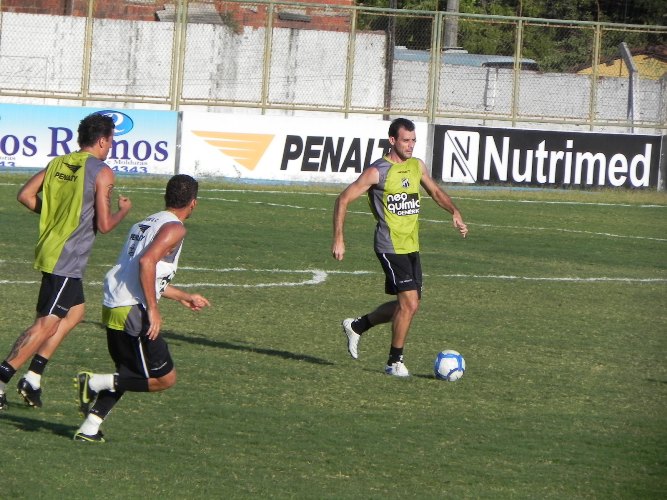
91,425
101,381
34,379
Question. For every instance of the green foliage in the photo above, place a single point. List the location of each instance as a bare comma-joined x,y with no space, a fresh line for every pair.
559,49
556,300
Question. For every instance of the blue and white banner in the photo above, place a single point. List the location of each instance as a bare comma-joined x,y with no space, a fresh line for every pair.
144,140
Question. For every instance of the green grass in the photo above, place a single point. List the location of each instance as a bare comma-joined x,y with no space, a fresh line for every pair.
556,300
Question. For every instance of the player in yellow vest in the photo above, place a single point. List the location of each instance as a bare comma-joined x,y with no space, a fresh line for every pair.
392,184
73,197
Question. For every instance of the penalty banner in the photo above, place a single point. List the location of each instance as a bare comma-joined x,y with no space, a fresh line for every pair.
293,149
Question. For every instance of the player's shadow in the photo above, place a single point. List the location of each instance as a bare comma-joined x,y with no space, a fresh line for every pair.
28,424
235,346
411,377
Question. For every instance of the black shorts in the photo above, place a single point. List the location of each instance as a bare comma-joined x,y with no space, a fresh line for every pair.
139,356
402,272
58,294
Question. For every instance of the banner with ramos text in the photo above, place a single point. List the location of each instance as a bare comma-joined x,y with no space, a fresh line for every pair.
144,140
292,149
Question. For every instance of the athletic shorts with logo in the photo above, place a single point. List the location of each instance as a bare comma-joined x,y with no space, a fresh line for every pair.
402,272
58,294
133,353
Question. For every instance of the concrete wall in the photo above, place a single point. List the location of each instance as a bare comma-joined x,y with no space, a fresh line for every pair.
134,58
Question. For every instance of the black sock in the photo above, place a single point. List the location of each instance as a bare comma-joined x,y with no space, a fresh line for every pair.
133,384
395,355
361,325
38,364
105,402
6,372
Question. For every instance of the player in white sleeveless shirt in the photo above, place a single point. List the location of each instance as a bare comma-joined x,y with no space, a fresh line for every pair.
122,285
132,288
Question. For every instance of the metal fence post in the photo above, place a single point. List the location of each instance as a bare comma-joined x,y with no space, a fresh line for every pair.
178,54
592,105
517,71
349,67
266,67
632,83
87,53
434,71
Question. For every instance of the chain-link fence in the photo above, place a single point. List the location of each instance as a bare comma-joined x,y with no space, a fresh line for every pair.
295,58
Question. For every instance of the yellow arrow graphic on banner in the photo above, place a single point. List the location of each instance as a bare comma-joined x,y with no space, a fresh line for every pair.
246,149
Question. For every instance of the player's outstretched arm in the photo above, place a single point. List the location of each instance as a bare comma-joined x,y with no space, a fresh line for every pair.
363,183
443,200
192,301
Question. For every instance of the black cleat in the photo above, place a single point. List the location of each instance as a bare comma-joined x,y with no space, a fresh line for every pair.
32,397
3,401
87,438
86,396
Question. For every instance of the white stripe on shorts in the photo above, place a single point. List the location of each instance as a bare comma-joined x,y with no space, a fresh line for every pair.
393,276
142,356
55,302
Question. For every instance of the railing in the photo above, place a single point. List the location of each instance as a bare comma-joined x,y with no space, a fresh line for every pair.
294,58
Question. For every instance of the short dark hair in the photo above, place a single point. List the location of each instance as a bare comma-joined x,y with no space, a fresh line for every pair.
398,124
93,127
181,190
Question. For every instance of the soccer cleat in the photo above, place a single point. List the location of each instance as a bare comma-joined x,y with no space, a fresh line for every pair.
85,394
397,369
352,337
87,438
3,401
32,397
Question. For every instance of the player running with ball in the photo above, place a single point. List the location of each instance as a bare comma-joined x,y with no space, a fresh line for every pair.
392,184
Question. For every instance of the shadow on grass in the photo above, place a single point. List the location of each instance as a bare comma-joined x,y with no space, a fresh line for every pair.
236,346
28,424
411,377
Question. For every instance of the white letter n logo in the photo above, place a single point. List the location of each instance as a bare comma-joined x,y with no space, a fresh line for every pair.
460,155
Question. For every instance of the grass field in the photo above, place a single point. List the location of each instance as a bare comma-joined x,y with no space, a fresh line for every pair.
557,300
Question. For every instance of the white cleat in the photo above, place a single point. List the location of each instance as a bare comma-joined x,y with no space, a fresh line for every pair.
352,337
397,369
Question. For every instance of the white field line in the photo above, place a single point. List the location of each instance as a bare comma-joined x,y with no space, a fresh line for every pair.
319,276
316,193
473,224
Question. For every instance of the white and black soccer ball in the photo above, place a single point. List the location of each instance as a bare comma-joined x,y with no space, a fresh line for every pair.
449,365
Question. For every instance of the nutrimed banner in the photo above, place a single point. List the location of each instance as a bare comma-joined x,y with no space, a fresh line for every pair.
144,140
477,155
284,149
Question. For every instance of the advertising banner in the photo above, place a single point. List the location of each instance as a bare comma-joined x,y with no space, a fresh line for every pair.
144,140
284,149
541,158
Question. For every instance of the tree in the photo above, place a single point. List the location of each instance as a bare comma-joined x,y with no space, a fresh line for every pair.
557,48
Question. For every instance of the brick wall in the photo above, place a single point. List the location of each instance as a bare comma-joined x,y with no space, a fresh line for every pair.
304,16
115,9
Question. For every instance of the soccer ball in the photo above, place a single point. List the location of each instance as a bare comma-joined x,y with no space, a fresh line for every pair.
449,365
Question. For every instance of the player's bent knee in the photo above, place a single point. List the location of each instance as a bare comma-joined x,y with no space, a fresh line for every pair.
166,381
410,307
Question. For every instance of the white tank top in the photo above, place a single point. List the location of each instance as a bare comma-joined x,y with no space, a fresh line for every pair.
121,284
